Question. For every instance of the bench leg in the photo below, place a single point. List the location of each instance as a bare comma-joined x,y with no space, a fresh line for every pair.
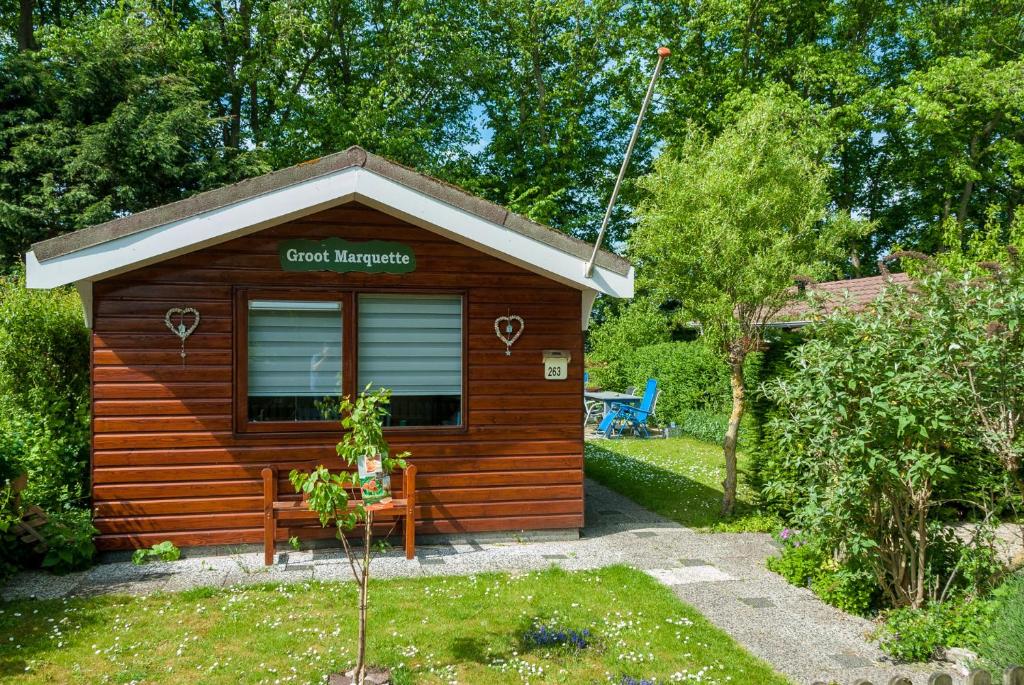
410,512
269,522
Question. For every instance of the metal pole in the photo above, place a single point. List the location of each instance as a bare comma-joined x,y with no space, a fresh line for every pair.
663,52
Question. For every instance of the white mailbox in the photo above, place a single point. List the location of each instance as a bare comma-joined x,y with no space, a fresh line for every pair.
556,364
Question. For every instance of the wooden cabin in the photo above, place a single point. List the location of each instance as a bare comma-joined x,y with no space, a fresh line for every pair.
226,326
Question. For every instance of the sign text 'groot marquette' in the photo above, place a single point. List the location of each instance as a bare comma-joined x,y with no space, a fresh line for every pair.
335,254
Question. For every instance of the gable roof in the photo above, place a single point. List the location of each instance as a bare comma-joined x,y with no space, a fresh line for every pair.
251,205
853,293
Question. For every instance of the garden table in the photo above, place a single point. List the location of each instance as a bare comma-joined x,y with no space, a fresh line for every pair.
608,398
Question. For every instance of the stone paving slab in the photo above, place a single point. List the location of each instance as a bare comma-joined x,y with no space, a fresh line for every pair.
722,575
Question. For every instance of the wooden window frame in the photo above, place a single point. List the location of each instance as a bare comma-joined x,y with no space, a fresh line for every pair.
349,299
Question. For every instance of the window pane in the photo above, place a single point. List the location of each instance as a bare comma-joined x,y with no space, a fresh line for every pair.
294,360
412,344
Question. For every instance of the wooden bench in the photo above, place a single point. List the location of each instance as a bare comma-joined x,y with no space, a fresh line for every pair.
295,511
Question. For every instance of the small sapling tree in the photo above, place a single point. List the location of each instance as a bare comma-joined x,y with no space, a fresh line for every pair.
328,493
729,222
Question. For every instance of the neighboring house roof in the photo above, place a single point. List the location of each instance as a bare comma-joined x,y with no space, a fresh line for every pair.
853,293
353,175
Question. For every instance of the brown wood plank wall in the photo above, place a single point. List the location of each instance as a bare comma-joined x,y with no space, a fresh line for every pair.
168,463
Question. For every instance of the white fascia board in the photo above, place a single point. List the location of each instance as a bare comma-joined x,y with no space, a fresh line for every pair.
589,296
85,295
355,183
194,233
494,239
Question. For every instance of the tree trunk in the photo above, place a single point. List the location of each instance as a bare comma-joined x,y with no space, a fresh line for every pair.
922,555
25,41
731,435
364,582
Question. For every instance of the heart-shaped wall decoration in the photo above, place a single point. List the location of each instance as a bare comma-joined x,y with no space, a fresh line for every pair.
179,328
503,328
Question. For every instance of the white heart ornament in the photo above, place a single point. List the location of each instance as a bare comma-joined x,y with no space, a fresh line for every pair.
508,321
180,329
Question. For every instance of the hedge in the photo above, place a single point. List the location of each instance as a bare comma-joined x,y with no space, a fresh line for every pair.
765,453
694,381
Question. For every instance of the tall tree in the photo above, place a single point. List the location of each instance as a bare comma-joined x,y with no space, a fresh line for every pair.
103,120
730,221
558,93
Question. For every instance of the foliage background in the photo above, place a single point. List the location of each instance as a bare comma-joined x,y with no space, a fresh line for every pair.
110,107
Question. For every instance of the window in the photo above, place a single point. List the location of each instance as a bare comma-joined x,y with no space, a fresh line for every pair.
294,360
413,345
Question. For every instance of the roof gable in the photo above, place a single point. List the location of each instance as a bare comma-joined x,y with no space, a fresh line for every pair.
353,175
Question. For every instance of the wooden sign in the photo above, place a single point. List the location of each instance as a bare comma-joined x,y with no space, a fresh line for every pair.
336,254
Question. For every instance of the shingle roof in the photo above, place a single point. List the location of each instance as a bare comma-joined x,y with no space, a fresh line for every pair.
352,157
854,293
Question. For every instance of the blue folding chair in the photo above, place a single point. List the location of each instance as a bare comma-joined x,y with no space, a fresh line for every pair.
635,418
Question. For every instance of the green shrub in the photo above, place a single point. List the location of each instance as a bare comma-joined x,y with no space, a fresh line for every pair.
44,393
853,590
1002,644
44,423
922,634
872,410
804,564
56,459
616,339
69,542
800,562
164,551
44,365
13,553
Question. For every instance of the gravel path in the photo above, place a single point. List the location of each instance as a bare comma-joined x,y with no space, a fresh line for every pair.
722,575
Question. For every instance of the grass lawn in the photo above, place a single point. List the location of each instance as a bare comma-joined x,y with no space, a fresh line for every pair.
431,630
679,478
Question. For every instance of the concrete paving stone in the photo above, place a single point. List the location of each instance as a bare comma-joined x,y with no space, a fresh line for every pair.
687,575
758,602
851,661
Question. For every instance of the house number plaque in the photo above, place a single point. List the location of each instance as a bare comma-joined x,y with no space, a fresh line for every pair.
556,365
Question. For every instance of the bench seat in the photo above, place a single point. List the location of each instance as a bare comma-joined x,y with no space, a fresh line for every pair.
296,510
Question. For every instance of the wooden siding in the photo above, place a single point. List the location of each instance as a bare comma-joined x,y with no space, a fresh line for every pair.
169,464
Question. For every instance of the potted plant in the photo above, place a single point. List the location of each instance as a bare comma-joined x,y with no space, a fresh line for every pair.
364,449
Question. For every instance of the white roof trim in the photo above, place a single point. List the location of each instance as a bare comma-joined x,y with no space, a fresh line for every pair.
307,197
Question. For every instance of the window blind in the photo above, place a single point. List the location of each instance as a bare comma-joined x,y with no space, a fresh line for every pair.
411,343
294,349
